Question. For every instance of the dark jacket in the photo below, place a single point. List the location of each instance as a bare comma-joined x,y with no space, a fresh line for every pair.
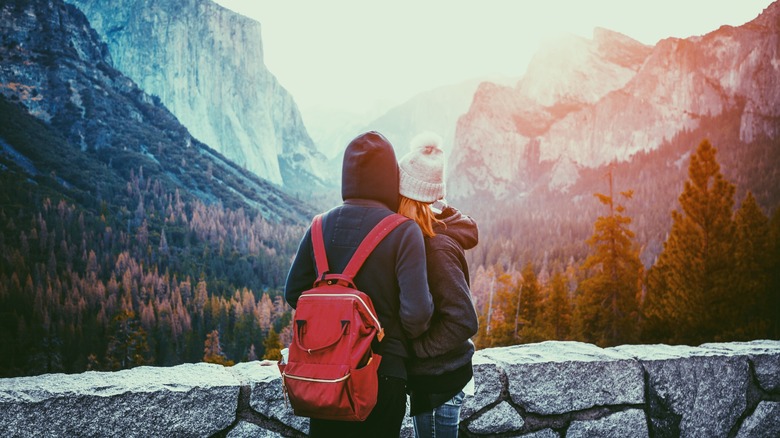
442,363
394,275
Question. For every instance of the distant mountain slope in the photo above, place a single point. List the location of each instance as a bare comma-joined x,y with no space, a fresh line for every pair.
205,63
436,110
54,65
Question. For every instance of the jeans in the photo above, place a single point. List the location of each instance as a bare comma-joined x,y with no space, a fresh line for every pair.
441,421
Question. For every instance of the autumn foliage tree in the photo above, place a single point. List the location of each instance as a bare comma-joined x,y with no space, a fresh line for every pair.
212,350
273,346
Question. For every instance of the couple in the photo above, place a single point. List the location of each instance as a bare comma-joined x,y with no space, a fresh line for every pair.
423,302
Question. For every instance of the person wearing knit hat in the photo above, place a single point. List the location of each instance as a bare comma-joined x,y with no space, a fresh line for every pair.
440,371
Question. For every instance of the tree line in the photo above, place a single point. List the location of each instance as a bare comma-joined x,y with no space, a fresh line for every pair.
717,277
156,281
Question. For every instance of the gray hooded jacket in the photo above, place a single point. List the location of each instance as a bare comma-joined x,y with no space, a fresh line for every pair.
394,274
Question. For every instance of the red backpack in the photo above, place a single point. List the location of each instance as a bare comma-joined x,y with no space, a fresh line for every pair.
331,371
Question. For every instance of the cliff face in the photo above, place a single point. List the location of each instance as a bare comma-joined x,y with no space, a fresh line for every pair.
591,102
205,63
551,389
54,66
575,71
497,140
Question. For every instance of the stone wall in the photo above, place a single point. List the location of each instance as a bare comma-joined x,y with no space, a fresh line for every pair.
551,389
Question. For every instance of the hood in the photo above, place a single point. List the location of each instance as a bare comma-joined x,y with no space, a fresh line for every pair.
370,170
460,227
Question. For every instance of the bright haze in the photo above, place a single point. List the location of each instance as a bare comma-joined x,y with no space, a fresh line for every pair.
363,56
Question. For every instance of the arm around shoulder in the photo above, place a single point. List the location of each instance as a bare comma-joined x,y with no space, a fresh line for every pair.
456,319
416,304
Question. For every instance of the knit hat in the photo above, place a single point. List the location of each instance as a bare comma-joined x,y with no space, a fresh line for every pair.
422,169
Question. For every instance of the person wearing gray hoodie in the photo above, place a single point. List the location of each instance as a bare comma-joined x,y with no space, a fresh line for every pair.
441,366
393,276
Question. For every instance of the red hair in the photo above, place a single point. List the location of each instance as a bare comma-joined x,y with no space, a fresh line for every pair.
419,212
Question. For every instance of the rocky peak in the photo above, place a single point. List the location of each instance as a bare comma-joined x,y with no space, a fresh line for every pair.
496,144
620,49
769,18
575,70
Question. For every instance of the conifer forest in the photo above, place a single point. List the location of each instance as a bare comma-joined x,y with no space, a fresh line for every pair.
148,278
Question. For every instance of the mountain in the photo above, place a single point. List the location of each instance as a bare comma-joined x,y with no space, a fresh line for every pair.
434,110
205,63
503,128
528,159
56,68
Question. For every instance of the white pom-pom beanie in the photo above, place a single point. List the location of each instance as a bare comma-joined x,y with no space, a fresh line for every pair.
422,169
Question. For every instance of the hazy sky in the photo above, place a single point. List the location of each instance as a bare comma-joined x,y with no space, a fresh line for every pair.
356,53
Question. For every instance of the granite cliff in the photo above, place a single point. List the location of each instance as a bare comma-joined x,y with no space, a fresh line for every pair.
586,103
205,63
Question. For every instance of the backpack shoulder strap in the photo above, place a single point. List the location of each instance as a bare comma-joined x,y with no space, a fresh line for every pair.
318,244
372,239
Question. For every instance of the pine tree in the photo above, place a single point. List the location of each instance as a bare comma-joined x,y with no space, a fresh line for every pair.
689,289
607,301
557,310
528,310
752,271
498,315
273,346
127,346
773,308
